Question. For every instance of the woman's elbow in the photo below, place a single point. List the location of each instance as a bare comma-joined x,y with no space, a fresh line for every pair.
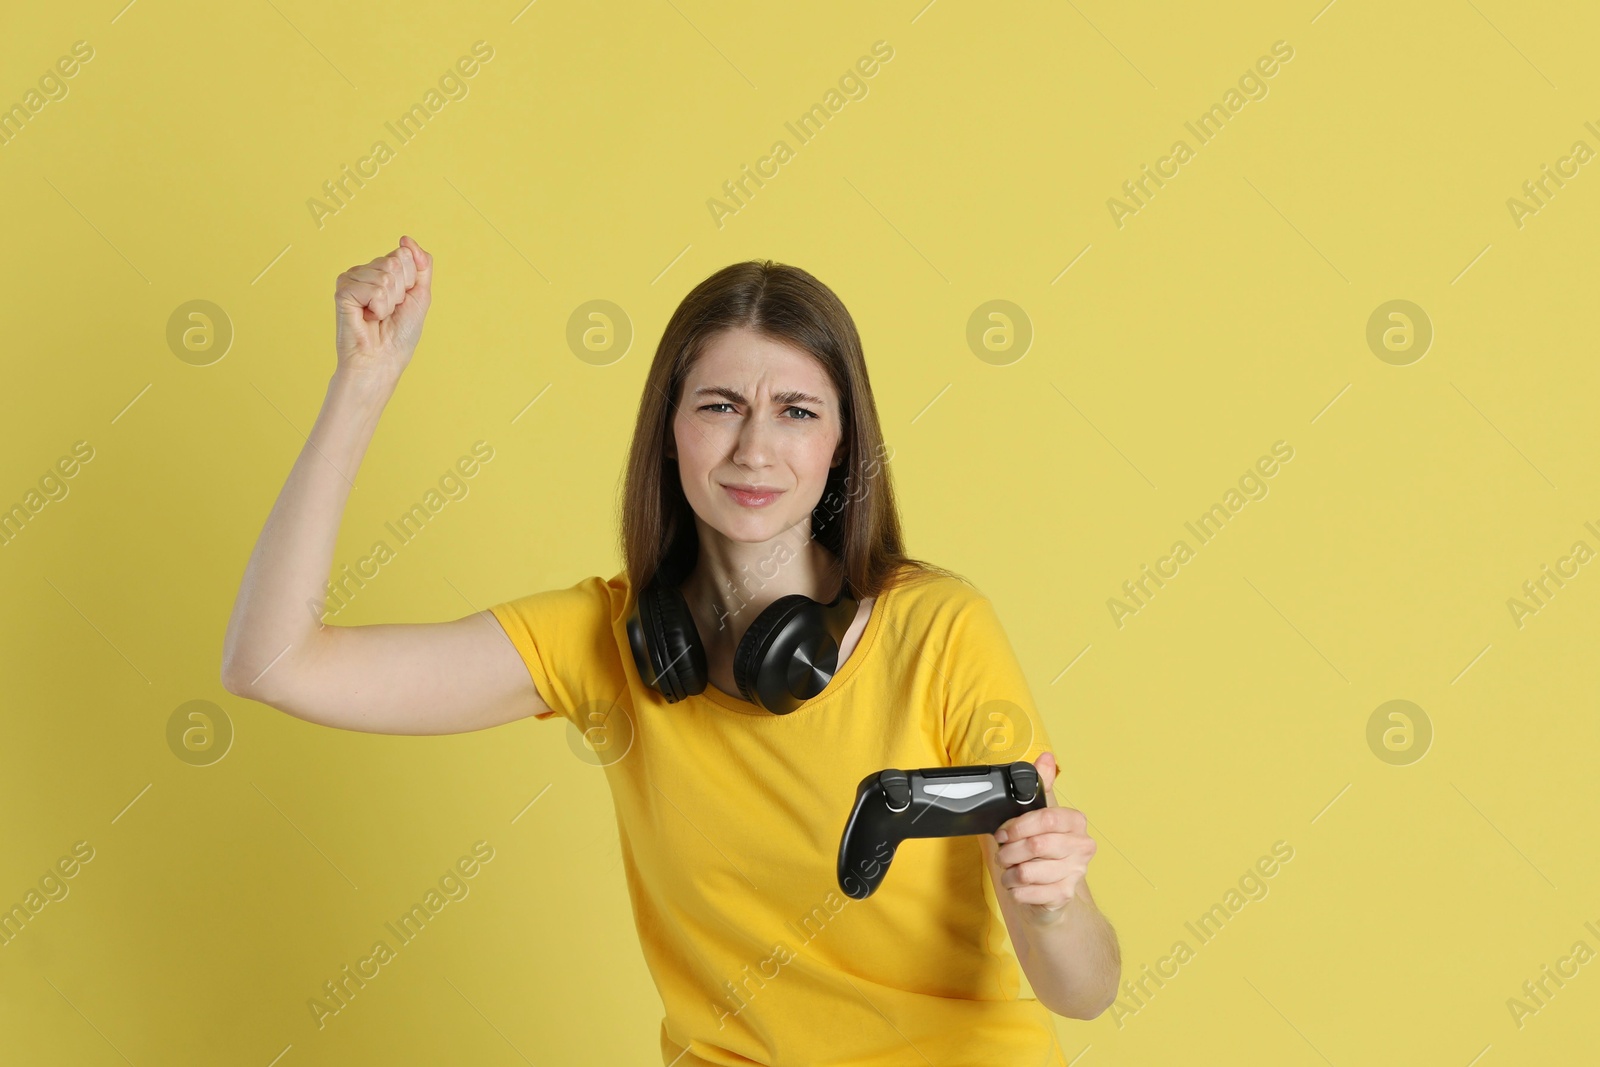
1083,1009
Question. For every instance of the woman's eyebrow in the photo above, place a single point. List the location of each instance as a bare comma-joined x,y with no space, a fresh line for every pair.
789,396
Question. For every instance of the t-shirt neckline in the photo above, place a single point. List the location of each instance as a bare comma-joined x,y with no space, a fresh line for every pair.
863,650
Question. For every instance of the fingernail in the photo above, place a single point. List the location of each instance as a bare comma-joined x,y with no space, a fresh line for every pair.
1000,835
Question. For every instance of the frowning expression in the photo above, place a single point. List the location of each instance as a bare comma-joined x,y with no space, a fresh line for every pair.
756,429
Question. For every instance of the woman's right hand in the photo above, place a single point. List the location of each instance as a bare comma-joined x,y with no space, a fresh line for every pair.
380,307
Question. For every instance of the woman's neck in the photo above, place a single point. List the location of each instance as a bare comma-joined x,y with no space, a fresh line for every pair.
733,582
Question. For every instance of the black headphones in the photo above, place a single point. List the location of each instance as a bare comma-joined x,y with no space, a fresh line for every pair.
786,657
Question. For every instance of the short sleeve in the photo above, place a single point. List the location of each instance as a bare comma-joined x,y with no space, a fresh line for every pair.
565,638
990,716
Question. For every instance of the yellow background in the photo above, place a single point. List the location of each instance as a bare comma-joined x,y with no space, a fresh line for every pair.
1228,314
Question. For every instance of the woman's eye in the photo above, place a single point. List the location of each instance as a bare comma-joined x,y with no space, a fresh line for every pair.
804,413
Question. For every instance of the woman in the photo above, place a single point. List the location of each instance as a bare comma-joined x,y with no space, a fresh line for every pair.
755,473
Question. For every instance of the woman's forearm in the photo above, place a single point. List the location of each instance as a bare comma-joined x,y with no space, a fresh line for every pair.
279,606
1073,963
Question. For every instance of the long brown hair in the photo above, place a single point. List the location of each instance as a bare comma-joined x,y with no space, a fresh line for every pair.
856,518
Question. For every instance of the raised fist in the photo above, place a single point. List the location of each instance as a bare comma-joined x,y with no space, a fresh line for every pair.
380,307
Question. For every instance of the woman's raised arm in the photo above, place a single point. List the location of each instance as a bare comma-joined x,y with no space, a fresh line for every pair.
399,678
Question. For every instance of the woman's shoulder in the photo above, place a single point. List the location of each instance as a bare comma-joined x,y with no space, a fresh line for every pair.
593,597
940,609
927,591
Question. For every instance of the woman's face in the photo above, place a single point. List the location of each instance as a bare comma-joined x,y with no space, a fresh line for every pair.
755,413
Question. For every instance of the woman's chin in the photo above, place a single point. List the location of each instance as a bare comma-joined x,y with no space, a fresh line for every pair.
750,529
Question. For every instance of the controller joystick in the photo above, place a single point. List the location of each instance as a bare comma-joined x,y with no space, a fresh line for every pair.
1023,781
893,805
896,789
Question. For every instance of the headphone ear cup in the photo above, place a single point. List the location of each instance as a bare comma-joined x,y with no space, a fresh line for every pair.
748,661
682,665
744,657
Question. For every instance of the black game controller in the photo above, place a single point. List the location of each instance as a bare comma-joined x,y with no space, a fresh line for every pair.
894,805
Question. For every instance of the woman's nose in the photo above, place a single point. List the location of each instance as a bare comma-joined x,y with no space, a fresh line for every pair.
754,445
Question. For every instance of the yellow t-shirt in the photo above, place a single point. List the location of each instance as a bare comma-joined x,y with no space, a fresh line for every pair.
730,819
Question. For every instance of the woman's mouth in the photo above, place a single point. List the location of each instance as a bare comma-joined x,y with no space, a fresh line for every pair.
755,496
